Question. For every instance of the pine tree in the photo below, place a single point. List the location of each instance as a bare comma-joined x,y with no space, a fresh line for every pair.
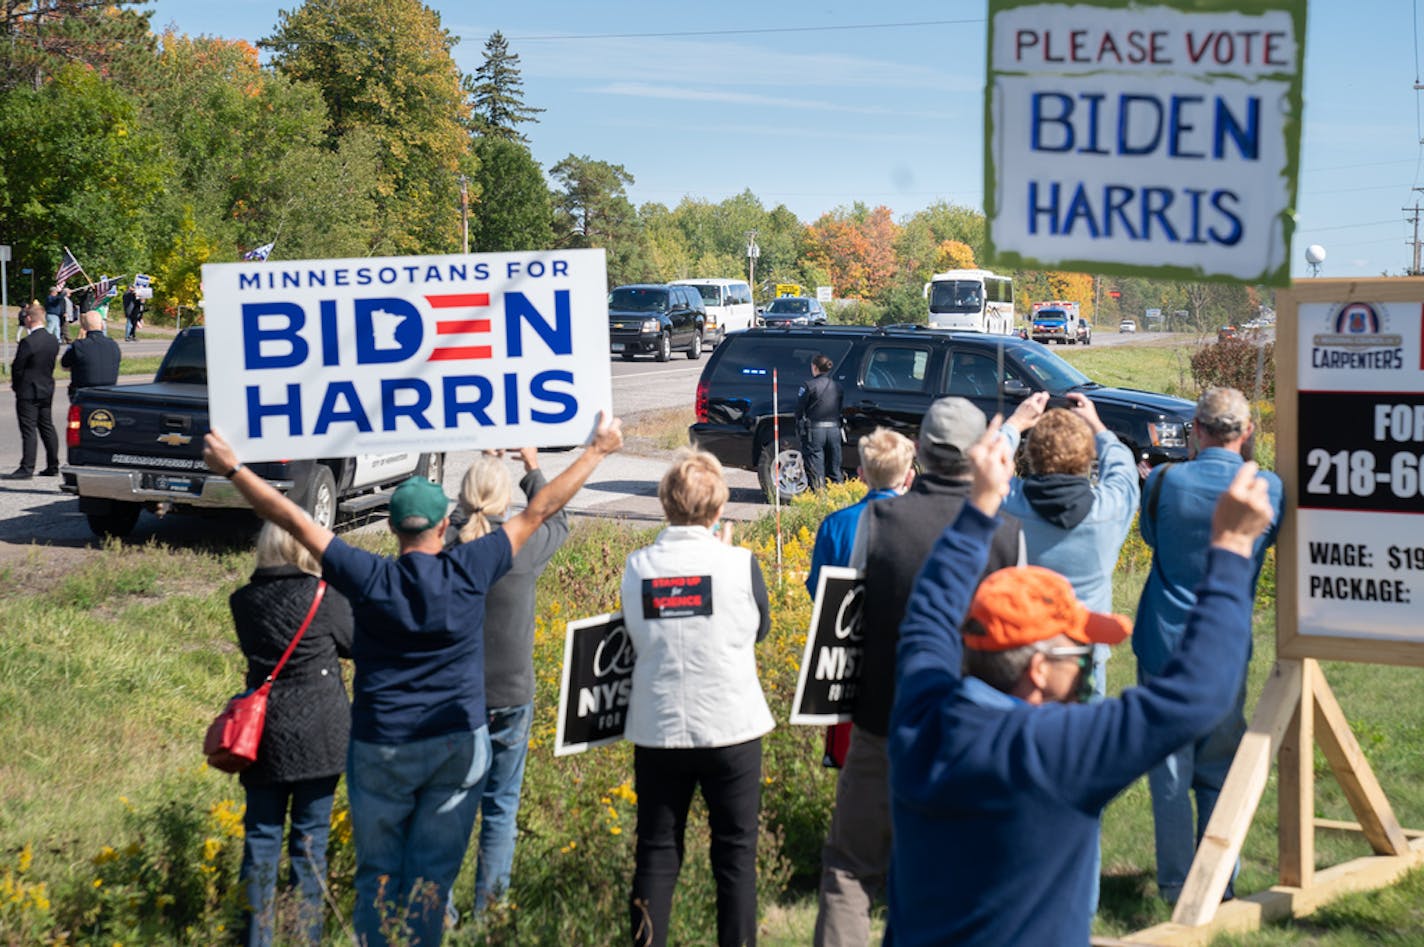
496,93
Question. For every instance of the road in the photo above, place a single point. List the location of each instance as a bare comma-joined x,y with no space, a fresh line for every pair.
35,511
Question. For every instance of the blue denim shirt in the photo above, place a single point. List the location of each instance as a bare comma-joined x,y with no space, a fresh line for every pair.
1182,521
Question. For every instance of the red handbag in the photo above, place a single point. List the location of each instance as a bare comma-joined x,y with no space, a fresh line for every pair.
233,737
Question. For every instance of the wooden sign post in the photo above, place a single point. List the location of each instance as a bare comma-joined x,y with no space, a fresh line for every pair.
1349,582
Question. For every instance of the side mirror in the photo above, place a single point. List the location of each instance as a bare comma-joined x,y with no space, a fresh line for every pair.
1013,388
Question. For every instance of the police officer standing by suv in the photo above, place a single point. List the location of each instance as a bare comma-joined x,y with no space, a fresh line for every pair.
818,423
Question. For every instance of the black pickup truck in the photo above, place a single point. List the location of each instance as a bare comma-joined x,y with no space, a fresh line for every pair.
889,376
140,446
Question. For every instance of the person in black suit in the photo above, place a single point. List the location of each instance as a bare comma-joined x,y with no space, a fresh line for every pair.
93,359
133,315
32,377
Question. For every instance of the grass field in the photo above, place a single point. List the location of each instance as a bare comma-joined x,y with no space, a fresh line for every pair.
113,831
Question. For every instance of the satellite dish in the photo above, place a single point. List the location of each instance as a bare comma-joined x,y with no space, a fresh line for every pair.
1315,254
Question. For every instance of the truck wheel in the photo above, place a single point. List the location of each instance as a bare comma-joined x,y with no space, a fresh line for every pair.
432,468
664,351
694,351
118,522
792,475
1088,339
321,496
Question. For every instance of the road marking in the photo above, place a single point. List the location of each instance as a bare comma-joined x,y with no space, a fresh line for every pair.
665,371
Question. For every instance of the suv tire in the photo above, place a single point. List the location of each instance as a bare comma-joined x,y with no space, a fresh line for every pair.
432,468
320,501
664,351
694,351
792,480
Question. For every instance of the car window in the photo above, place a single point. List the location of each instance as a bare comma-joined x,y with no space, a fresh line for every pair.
788,305
972,375
1048,370
638,299
711,295
896,368
749,358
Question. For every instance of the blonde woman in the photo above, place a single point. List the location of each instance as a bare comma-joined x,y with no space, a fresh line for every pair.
485,495
695,606
303,748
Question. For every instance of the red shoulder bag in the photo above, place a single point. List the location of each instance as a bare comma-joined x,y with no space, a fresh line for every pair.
233,737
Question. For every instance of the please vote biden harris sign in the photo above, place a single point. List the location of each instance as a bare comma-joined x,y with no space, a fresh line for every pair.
1156,139
333,358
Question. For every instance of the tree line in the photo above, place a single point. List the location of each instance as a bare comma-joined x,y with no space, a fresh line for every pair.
359,136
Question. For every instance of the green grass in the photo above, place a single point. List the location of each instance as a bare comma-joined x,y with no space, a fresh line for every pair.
109,673
1161,365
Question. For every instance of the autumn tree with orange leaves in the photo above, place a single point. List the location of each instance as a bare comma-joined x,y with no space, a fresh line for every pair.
857,248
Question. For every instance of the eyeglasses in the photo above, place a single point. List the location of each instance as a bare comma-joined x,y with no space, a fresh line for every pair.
1083,655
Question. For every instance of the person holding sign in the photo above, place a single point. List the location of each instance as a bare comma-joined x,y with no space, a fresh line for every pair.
420,747
695,606
1176,520
485,494
999,771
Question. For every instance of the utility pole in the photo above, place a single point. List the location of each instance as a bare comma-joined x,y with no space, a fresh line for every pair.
1412,215
753,251
464,214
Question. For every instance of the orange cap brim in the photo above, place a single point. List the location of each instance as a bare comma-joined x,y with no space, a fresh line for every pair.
1102,629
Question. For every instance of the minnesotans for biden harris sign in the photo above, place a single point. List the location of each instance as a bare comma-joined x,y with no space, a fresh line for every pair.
1155,139
333,358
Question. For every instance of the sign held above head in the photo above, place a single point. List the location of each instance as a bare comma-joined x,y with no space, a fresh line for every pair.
333,358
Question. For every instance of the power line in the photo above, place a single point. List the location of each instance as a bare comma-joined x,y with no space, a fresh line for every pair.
745,32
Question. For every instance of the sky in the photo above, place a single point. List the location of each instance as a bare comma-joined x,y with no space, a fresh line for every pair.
817,105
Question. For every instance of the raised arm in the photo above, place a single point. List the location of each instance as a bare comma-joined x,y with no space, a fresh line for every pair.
267,501
607,439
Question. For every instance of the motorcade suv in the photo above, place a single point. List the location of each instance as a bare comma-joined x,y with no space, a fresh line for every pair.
889,376
794,311
652,317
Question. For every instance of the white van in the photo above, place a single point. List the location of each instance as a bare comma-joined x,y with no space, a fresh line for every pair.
729,306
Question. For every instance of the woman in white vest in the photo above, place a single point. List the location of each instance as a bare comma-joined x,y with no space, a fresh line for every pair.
695,606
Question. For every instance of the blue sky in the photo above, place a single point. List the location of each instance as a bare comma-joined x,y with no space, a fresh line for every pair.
819,104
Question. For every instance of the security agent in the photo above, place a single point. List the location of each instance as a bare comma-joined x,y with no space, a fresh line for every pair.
818,422
998,774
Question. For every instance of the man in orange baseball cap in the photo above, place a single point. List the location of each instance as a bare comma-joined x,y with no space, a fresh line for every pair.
998,772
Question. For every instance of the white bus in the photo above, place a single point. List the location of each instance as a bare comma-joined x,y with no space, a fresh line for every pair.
971,301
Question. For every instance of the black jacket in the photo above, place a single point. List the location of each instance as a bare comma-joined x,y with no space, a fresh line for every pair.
308,712
819,400
899,534
92,360
32,374
133,306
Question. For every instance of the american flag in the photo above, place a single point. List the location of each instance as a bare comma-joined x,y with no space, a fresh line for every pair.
105,287
67,267
260,253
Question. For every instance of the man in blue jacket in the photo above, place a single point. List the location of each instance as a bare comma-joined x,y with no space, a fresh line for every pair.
1176,519
998,775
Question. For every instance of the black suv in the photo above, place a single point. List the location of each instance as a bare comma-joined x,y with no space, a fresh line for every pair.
890,375
655,318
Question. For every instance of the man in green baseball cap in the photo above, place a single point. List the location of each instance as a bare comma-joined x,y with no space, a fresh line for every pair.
417,505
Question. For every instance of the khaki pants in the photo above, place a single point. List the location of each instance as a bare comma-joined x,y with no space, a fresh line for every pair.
856,857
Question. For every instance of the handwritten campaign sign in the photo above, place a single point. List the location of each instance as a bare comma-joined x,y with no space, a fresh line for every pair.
830,667
1155,139
333,358
597,682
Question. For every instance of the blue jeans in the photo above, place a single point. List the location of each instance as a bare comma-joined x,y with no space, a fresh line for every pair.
1197,769
821,450
263,825
509,745
412,809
